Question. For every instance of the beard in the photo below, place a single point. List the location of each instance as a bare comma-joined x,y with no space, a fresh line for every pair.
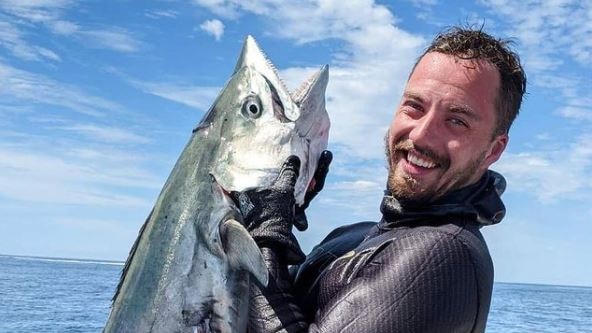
407,189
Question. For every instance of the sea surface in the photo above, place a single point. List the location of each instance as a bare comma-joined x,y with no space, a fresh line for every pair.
66,296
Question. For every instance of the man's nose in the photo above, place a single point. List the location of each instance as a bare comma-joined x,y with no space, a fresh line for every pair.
425,129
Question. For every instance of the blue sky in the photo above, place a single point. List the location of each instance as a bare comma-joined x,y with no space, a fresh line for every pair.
98,98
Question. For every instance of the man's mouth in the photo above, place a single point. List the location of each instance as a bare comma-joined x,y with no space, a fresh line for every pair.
421,161
418,160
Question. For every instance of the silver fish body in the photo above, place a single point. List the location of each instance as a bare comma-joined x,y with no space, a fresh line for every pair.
189,268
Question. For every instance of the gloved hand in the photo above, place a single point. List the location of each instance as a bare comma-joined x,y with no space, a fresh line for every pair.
268,214
300,220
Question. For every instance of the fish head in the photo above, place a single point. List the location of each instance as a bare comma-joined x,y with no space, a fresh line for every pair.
260,124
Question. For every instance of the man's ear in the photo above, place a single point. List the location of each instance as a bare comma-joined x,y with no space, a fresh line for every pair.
496,148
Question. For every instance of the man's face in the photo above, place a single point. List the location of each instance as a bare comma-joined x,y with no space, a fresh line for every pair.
441,137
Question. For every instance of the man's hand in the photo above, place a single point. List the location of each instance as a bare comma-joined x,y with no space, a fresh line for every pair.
268,213
317,184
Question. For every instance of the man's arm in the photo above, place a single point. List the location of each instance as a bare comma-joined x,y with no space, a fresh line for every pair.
274,308
424,282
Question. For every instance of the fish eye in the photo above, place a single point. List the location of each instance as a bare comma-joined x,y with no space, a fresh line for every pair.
252,106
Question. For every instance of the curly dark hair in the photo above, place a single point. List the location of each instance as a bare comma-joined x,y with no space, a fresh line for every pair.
467,43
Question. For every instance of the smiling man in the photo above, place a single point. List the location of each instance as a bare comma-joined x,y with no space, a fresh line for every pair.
425,266
444,135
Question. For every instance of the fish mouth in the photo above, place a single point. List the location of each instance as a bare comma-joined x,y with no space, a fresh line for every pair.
226,196
310,98
218,186
317,83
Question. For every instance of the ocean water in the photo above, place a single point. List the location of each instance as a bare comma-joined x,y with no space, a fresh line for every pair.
66,296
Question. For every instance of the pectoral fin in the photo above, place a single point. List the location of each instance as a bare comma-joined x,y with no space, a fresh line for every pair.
242,251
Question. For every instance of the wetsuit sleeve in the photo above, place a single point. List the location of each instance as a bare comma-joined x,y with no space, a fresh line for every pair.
420,283
274,308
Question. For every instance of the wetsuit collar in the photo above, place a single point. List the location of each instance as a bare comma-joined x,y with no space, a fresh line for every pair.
480,201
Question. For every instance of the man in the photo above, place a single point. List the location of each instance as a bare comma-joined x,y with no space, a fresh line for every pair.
425,266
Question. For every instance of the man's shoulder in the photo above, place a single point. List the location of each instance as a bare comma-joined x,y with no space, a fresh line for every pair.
340,241
337,243
465,233
448,242
350,233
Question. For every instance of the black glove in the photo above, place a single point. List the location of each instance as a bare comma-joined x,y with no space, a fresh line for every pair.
268,214
300,220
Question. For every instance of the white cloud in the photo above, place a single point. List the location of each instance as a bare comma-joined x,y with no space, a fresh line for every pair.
114,39
47,119
356,195
16,84
50,14
12,39
157,14
548,28
358,185
222,8
213,27
194,96
543,136
48,54
550,175
422,3
577,113
555,37
62,27
107,134
36,10
14,109
574,93
367,74
52,176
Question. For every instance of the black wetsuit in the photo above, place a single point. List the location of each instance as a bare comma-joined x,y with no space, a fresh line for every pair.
421,269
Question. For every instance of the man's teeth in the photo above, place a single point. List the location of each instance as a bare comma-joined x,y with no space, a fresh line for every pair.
413,159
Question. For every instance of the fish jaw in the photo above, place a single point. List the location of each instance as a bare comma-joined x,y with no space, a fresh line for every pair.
313,125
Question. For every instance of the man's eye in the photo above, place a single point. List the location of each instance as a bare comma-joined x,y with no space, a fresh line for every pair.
412,108
458,122
413,105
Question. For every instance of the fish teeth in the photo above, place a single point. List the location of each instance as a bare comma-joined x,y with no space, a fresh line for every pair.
422,162
273,68
299,93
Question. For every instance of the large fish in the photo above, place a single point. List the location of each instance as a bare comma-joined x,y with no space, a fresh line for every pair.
189,268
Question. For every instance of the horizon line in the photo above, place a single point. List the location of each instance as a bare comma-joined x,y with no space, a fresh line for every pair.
119,262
